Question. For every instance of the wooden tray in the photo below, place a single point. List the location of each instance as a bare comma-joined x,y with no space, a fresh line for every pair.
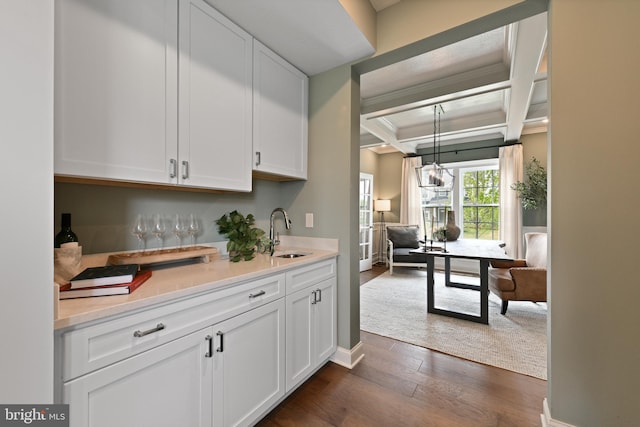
205,253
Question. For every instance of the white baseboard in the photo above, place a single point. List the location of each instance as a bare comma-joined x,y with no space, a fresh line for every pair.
546,419
348,358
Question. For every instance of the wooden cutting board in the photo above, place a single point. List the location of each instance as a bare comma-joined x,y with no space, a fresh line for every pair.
205,253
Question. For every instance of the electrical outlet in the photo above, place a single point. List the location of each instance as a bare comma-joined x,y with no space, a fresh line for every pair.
308,220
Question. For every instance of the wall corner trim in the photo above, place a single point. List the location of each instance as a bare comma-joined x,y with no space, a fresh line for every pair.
546,419
348,358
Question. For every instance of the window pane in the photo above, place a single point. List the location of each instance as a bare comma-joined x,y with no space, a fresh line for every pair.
470,231
481,204
469,214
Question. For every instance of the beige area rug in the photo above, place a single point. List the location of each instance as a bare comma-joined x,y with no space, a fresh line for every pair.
395,306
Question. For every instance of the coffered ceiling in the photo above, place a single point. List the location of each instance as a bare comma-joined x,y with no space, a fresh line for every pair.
490,86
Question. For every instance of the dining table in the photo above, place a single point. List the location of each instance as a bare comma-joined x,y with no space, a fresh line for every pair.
481,250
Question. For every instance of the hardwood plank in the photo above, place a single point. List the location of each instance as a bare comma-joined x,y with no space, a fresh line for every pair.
400,384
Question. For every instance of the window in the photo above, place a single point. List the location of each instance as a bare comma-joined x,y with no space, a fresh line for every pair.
476,193
481,203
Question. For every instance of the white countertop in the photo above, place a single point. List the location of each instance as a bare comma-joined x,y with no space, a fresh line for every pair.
172,283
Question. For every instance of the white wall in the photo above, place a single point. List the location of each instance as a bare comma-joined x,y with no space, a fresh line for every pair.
26,189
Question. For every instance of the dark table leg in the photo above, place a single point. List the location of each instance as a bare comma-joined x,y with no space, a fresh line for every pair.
430,283
449,283
484,292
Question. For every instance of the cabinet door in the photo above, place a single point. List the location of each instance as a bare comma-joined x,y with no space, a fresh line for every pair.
116,88
249,364
325,320
280,115
215,114
300,336
311,329
170,385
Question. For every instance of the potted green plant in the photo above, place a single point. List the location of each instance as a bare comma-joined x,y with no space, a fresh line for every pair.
533,191
244,238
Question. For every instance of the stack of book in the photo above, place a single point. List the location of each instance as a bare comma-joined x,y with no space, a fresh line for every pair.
106,280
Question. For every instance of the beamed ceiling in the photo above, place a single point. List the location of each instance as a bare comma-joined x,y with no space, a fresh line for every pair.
492,86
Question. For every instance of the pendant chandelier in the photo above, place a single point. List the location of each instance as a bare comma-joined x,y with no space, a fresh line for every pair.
435,176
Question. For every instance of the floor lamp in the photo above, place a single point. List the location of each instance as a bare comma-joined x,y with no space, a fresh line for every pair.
382,206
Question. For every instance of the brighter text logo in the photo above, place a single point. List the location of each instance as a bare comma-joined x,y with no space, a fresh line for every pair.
36,415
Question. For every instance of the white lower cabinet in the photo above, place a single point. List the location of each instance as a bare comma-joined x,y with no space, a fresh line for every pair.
170,385
248,365
220,359
311,329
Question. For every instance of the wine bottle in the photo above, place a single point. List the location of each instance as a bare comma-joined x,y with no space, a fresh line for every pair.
65,235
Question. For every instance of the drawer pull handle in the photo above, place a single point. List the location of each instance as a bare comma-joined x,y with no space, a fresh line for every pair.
257,295
319,291
139,334
315,298
221,348
209,339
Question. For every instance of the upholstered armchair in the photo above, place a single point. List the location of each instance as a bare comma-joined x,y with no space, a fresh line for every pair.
401,239
522,279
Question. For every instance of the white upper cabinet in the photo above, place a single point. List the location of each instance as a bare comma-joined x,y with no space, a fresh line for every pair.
147,94
115,88
172,92
215,106
280,104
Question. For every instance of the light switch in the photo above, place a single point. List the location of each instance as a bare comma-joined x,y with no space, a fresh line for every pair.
308,220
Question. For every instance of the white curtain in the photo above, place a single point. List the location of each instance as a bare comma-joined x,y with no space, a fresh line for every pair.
410,197
510,207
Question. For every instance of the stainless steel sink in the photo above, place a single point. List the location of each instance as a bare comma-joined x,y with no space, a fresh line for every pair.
292,255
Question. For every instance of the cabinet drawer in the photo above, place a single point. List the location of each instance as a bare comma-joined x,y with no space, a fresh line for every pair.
99,345
302,277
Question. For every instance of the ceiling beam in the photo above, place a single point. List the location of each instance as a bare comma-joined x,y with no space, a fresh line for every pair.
505,16
387,133
529,49
468,83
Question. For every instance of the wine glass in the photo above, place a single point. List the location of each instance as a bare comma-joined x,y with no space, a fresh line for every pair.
179,229
140,231
159,228
194,227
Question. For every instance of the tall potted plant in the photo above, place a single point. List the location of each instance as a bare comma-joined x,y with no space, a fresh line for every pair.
533,190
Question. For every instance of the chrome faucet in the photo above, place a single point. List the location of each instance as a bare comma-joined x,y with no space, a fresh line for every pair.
273,236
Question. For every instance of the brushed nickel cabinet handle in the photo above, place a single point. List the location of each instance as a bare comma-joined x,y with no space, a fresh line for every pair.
139,334
315,298
319,291
258,158
173,168
185,169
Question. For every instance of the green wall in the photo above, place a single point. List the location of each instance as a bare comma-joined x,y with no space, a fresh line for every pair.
331,191
103,216
594,350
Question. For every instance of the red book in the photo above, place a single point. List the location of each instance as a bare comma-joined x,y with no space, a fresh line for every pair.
97,291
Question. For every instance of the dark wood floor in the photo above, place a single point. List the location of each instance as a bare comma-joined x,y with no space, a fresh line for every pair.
399,384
